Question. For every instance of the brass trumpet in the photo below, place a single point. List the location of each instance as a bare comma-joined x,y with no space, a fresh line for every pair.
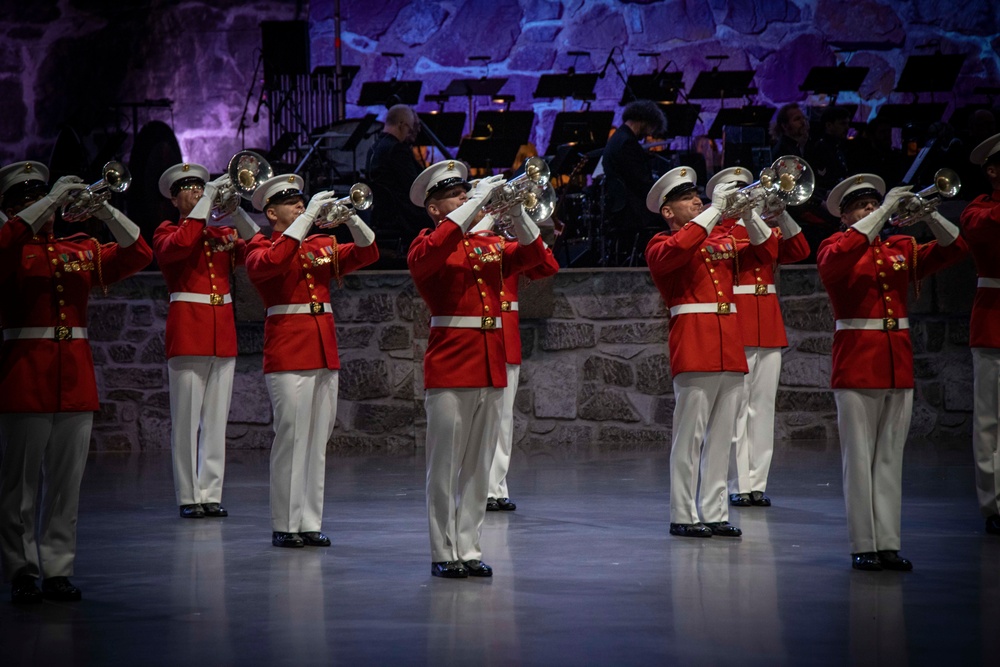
339,210
116,178
531,190
246,171
912,207
789,181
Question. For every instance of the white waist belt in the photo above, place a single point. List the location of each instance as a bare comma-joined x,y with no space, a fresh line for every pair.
508,306
49,333
208,299
716,308
884,324
313,308
988,282
466,322
759,289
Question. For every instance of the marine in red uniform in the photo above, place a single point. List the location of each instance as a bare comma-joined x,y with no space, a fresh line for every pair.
759,315
981,228
460,276
693,268
48,392
197,260
292,273
867,277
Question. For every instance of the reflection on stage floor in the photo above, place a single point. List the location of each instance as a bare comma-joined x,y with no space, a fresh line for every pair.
585,573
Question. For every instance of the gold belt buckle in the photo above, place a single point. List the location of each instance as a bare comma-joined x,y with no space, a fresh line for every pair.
489,322
889,324
316,308
505,306
723,308
63,333
216,299
760,289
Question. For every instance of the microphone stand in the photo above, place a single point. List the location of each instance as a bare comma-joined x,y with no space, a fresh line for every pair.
242,130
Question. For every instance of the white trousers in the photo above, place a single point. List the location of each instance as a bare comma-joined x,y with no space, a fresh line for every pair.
704,418
200,393
505,440
985,435
47,450
462,427
873,426
753,442
305,410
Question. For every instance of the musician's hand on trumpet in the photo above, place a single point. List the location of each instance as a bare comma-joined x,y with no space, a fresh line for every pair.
336,212
40,213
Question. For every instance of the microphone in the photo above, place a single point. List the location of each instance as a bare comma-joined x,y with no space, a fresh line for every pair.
606,64
260,101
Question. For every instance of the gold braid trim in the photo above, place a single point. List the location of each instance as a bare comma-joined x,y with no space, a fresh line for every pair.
916,282
100,271
336,263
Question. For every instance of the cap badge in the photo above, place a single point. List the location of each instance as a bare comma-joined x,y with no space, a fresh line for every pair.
291,179
27,167
185,167
684,172
451,165
738,171
859,180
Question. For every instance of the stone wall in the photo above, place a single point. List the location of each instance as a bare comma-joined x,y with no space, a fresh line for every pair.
595,378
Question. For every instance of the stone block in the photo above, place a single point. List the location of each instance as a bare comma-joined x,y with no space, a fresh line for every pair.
931,393
362,379
402,380
523,400
122,353
125,395
394,337
376,419
154,430
751,18
250,337
528,336
663,411
566,335
157,399
925,367
923,421
135,335
956,378
637,332
561,308
808,313
249,437
798,370
153,351
250,403
799,281
815,431
816,344
140,315
116,442
354,337
804,400
555,388
659,23
608,371
927,335
958,332
132,377
653,375
608,405
349,307
564,441
624,439
106,319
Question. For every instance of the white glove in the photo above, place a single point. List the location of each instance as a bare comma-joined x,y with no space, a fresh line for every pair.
203,209
721,193
245,226
757,229
944,230
361,233
298,229
872,224
465,215
524,227
485,224
124,230
787,225
36,215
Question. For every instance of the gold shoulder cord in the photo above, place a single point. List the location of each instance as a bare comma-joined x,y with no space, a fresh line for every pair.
335,259
100,273
916,282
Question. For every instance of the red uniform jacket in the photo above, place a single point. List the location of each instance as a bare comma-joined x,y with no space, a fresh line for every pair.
199,259
870,281
981,228
759,315
511,318
46,282
689,268
286,272
462,275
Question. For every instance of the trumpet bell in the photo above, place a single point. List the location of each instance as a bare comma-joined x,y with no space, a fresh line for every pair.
333,213
247,170
796,180
115,177
947,182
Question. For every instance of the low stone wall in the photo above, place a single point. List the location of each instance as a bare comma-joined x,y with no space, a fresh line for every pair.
595,378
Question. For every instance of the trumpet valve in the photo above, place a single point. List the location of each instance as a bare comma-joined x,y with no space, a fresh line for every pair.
787,182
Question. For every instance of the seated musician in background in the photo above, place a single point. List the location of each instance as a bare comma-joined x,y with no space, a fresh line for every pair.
627,177
391,169
981,228
196,259
48,392
868,277
460,275
759,315
292,273
827,155
790,132
693,267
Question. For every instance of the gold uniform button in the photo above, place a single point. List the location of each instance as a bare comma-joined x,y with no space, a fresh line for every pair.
205,243
879,262
482,294
51,249
475,267
305,266
214,288
314,297
212,276
479,280
877,251
888,298
716,282
309,276
889,311
759,279
62,316
57,274
881,274
757,269
55,261
885,285
466,243
312,286
210,265
472,254
61,302
486,308
59,288
501,292
720,293
711,270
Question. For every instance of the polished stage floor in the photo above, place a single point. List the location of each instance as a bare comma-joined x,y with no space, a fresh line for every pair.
585,574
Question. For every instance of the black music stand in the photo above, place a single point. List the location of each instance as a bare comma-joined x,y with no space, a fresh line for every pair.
474,87
586,130
562,86
496,138
749,116
447,125
930,74
386,93
347,74
658,87
833,80
901,115
681,119
716,85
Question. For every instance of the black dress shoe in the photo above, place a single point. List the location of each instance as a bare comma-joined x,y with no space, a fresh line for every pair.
192,511
866,560
24,591
759,499
506,505
993,525
450,569
214,510
289,540
740,499
315,539
492,505
60,588
890,560
723,529
478,568
690,530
